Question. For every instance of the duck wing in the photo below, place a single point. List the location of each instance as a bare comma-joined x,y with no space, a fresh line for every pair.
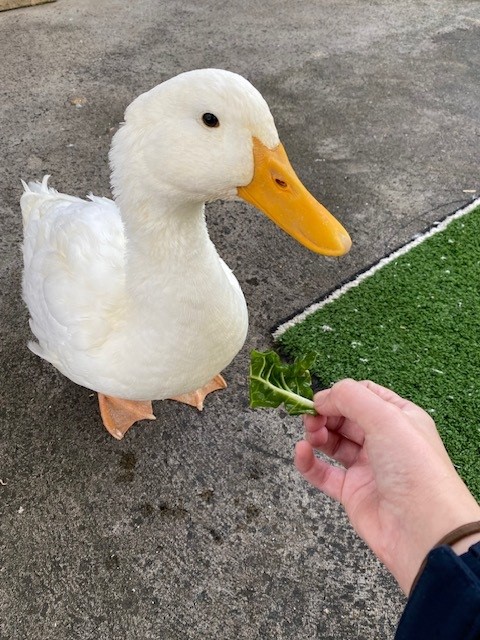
74,271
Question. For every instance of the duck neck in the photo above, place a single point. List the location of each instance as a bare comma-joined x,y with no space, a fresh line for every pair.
163,242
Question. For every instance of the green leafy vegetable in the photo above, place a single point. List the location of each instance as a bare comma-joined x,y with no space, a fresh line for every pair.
273,382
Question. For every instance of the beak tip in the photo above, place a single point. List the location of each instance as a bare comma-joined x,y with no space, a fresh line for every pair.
338,245
346,242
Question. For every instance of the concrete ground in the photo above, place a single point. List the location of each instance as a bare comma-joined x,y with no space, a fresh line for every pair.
197,525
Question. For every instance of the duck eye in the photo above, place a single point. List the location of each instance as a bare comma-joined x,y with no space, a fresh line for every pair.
210,120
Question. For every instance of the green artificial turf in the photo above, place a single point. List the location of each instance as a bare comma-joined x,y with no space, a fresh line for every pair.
414,326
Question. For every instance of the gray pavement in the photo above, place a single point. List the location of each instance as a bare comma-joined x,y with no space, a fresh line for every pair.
197,525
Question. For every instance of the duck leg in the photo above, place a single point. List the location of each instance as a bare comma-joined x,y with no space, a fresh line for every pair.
196,398
118,414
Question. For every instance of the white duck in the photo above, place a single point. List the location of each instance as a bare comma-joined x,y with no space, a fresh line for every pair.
130,298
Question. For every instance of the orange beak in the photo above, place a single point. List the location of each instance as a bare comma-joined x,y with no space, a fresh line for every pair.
276,190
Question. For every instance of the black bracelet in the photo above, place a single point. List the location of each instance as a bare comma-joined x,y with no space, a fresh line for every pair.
451,538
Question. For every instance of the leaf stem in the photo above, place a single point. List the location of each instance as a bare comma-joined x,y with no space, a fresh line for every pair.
305,402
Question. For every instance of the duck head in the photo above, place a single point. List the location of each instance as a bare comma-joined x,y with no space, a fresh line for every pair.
208,134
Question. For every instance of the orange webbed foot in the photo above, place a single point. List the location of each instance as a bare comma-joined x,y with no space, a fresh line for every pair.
119,415
196,398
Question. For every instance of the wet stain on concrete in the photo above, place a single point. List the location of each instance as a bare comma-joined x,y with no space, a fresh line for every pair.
127,464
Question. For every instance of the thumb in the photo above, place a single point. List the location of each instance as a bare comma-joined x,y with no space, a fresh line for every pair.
359,403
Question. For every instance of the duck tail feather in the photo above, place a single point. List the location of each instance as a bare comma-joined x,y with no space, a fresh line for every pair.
39,187
33,193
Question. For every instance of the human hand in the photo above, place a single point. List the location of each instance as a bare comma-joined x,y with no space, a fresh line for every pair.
397,484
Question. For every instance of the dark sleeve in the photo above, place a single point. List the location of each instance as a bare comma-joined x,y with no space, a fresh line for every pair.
445,604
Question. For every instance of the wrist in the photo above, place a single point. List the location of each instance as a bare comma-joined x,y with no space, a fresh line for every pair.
454,508
463,545
459,540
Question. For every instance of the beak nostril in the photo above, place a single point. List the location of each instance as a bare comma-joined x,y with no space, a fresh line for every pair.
281,183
